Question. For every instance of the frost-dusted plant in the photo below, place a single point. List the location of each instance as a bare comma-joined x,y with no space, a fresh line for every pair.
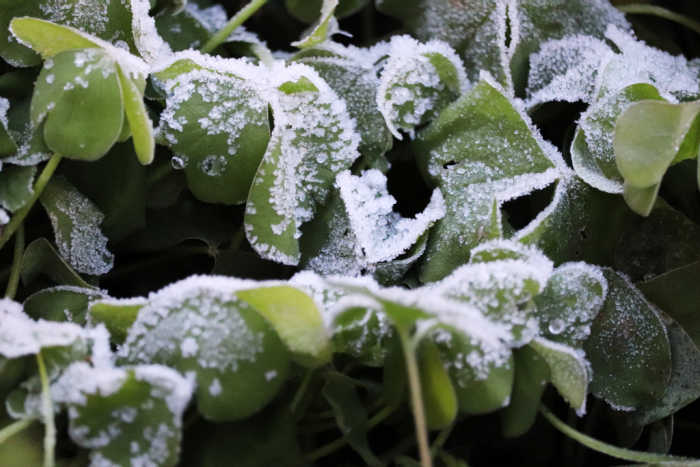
345,251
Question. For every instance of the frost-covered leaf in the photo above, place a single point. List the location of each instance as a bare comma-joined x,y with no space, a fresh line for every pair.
83,75
417,82
40,258
363,334
107,19
20,335
439,398
313,140
137,118
531,377
125,415
481,151
323,29
570,302
199,325
297,320
592,153
48,38
649,137
192,27
684,385
350,72
31,148
569,371
7,142
61,303
16,186
76,220
381,233
217,124
481,370
628,348
116,315
502,290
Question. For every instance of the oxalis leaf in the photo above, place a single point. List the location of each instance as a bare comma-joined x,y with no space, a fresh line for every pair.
217,125
16,186
628,348
7,143
76,220
126,414
313,140
481,151
199,325
417,82
323,29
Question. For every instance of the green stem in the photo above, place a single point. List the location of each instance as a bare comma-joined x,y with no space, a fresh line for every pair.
14,428
18,217
441,439
13,281
47,412
333,446
609,449
641,9
303,387
238,19
416,397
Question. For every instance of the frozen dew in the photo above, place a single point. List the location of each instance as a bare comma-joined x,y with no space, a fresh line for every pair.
556,326
178,162
87,15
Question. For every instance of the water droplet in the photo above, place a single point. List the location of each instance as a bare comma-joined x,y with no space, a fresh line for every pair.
178,163
556,326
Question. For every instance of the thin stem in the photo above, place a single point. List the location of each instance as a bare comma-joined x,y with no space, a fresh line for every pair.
301,392
13,281
641,9
334,445
47,412
238,19
39,186
14,428
441,439
609,449
416,397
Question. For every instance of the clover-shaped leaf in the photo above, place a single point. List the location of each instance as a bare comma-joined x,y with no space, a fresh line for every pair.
76,220
417,82
7,143
125,414
61,303
221,140
323,29
481,151
312,141
199,325
628,348
16,186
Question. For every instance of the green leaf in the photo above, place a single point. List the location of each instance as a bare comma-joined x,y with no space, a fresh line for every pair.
117,185
592,152
439,396
349,72
350,415
325,26
481,372
76,220
574,295
628,348
117,315
218,125
649,137
417,82
481,151
70,86
31,148
40,258
308,10
531,377
684,385
363,334
641,200
47,38
191,27
137,118
676,293
123,414
299,167
199,325
7,143
569,371
297,320
62,303
16,186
